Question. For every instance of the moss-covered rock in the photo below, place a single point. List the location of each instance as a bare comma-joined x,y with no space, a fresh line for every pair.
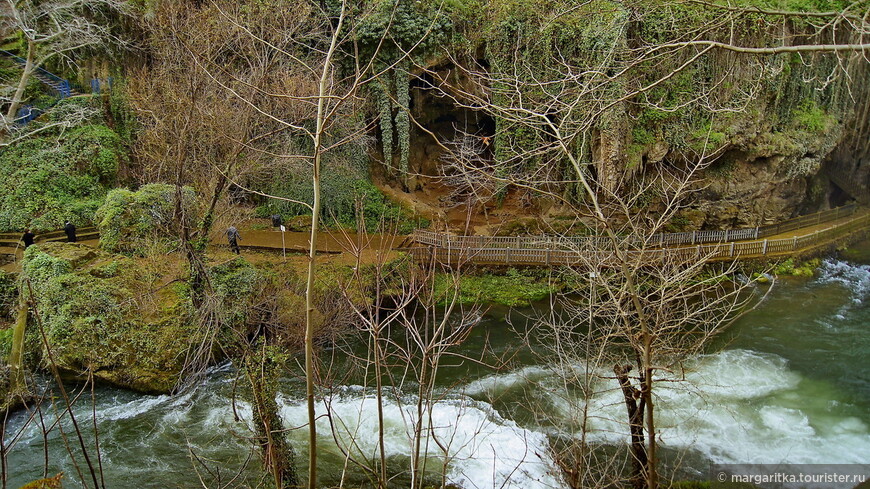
797,269
512,288
263,299
101,313
8,296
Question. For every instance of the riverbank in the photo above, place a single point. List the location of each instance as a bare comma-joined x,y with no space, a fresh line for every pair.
786,385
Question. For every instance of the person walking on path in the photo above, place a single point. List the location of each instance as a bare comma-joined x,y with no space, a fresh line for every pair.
70,231
28,238
233,237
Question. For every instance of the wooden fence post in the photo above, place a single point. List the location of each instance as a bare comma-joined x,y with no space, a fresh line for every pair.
756,233
693,236
794,245
731,253
764,247
547,257
507,255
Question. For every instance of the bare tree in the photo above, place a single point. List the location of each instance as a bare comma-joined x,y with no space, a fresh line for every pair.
412,328
55,29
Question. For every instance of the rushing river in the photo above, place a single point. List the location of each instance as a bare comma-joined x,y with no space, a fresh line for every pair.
789,383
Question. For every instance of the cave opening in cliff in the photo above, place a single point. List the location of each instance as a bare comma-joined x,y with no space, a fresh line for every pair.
446,126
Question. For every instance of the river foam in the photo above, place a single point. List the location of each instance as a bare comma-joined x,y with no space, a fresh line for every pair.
735,406
481,449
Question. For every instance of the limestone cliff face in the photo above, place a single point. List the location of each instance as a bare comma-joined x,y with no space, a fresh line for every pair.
767,127
760,174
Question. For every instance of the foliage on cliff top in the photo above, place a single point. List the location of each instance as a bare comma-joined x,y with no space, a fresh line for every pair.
137,221
103,312
47,180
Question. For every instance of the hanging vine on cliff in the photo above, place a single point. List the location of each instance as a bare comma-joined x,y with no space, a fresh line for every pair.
403,121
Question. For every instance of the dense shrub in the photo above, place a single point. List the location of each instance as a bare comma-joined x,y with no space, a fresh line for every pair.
45,181
344,195
132,222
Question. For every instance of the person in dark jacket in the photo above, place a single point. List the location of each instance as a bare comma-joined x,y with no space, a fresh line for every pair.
70,231
276,220
233,237
28,238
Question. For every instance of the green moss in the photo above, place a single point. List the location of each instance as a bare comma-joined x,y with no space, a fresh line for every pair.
101,313
797,269
810,117
722,169
514,288
5,344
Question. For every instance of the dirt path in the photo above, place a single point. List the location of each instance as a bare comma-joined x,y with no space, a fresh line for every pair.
327,241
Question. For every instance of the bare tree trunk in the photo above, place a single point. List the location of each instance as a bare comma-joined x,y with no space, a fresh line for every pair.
16,356
312,255
22,83
650,471
639,459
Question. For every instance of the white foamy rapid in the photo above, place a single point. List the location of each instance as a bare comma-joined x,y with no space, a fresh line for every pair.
855,278
481,449
736,406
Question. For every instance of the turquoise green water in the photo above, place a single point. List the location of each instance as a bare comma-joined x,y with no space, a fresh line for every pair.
789,383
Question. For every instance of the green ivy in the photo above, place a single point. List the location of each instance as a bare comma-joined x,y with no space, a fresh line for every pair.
385,112
403,121
8,295
132,222
45,181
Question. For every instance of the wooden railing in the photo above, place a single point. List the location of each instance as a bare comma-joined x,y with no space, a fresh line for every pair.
451,250
444,240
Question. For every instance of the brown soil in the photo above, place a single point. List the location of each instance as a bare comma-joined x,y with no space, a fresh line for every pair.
434,202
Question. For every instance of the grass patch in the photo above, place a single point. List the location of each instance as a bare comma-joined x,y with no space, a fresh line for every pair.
513,288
